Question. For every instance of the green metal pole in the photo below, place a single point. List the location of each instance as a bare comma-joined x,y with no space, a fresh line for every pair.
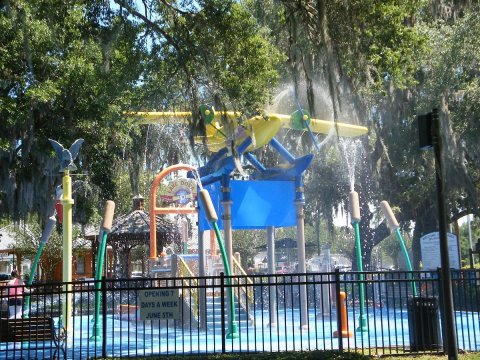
47,232
393,225
212,217
96,330
407,259
26,304
233,324
362,319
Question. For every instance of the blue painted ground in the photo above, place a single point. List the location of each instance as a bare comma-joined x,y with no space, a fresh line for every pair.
386,329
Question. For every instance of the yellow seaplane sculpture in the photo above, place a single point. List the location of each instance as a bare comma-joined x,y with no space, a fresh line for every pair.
262,128
225,131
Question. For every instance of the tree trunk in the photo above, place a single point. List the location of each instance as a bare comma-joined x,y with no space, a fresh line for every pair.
425,222
137,155
309,72
457,175
293,52
331,70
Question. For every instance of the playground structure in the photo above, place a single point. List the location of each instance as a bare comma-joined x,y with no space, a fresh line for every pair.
272,197
260,128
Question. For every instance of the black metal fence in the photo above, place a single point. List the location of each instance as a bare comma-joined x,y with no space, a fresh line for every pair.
385,313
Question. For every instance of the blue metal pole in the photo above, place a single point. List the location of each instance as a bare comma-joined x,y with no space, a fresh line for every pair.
282,151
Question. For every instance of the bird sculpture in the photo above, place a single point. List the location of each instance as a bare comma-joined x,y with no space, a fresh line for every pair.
67,156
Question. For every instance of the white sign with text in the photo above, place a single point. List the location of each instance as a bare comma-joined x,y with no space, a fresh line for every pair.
430,248
159,304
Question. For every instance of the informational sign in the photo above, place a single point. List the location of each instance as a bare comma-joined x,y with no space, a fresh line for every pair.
430,248
159,304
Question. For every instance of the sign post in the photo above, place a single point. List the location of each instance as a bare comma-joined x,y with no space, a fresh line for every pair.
429,136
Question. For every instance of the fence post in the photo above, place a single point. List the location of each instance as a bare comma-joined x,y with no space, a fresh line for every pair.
104,317
442,315
339,312
222,309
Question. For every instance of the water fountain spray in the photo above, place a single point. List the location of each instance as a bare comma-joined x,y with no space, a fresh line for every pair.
393,225
350,152
355,218
212,217
47,232
105,228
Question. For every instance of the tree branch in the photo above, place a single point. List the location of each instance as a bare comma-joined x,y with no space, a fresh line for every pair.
150,23
176,9
461,214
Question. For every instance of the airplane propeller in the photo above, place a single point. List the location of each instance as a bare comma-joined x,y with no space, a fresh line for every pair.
302,118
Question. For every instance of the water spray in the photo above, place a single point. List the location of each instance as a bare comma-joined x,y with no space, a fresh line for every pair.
212,217
355,218
393,225
105,229
349,149
47,232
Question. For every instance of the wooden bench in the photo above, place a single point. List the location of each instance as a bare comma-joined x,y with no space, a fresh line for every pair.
36,333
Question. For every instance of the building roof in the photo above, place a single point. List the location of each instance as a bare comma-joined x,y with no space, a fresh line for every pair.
133,229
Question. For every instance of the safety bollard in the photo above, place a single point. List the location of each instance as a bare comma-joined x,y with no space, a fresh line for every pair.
343,314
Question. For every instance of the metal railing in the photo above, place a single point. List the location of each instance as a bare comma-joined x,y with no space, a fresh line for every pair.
144,317
244,297
184,274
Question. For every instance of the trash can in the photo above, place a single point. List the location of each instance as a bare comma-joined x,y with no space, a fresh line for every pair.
423,324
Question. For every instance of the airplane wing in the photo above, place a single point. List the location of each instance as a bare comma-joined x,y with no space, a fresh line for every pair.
261,128
161,117
346,130
215,136
174,117
264,128
321,126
